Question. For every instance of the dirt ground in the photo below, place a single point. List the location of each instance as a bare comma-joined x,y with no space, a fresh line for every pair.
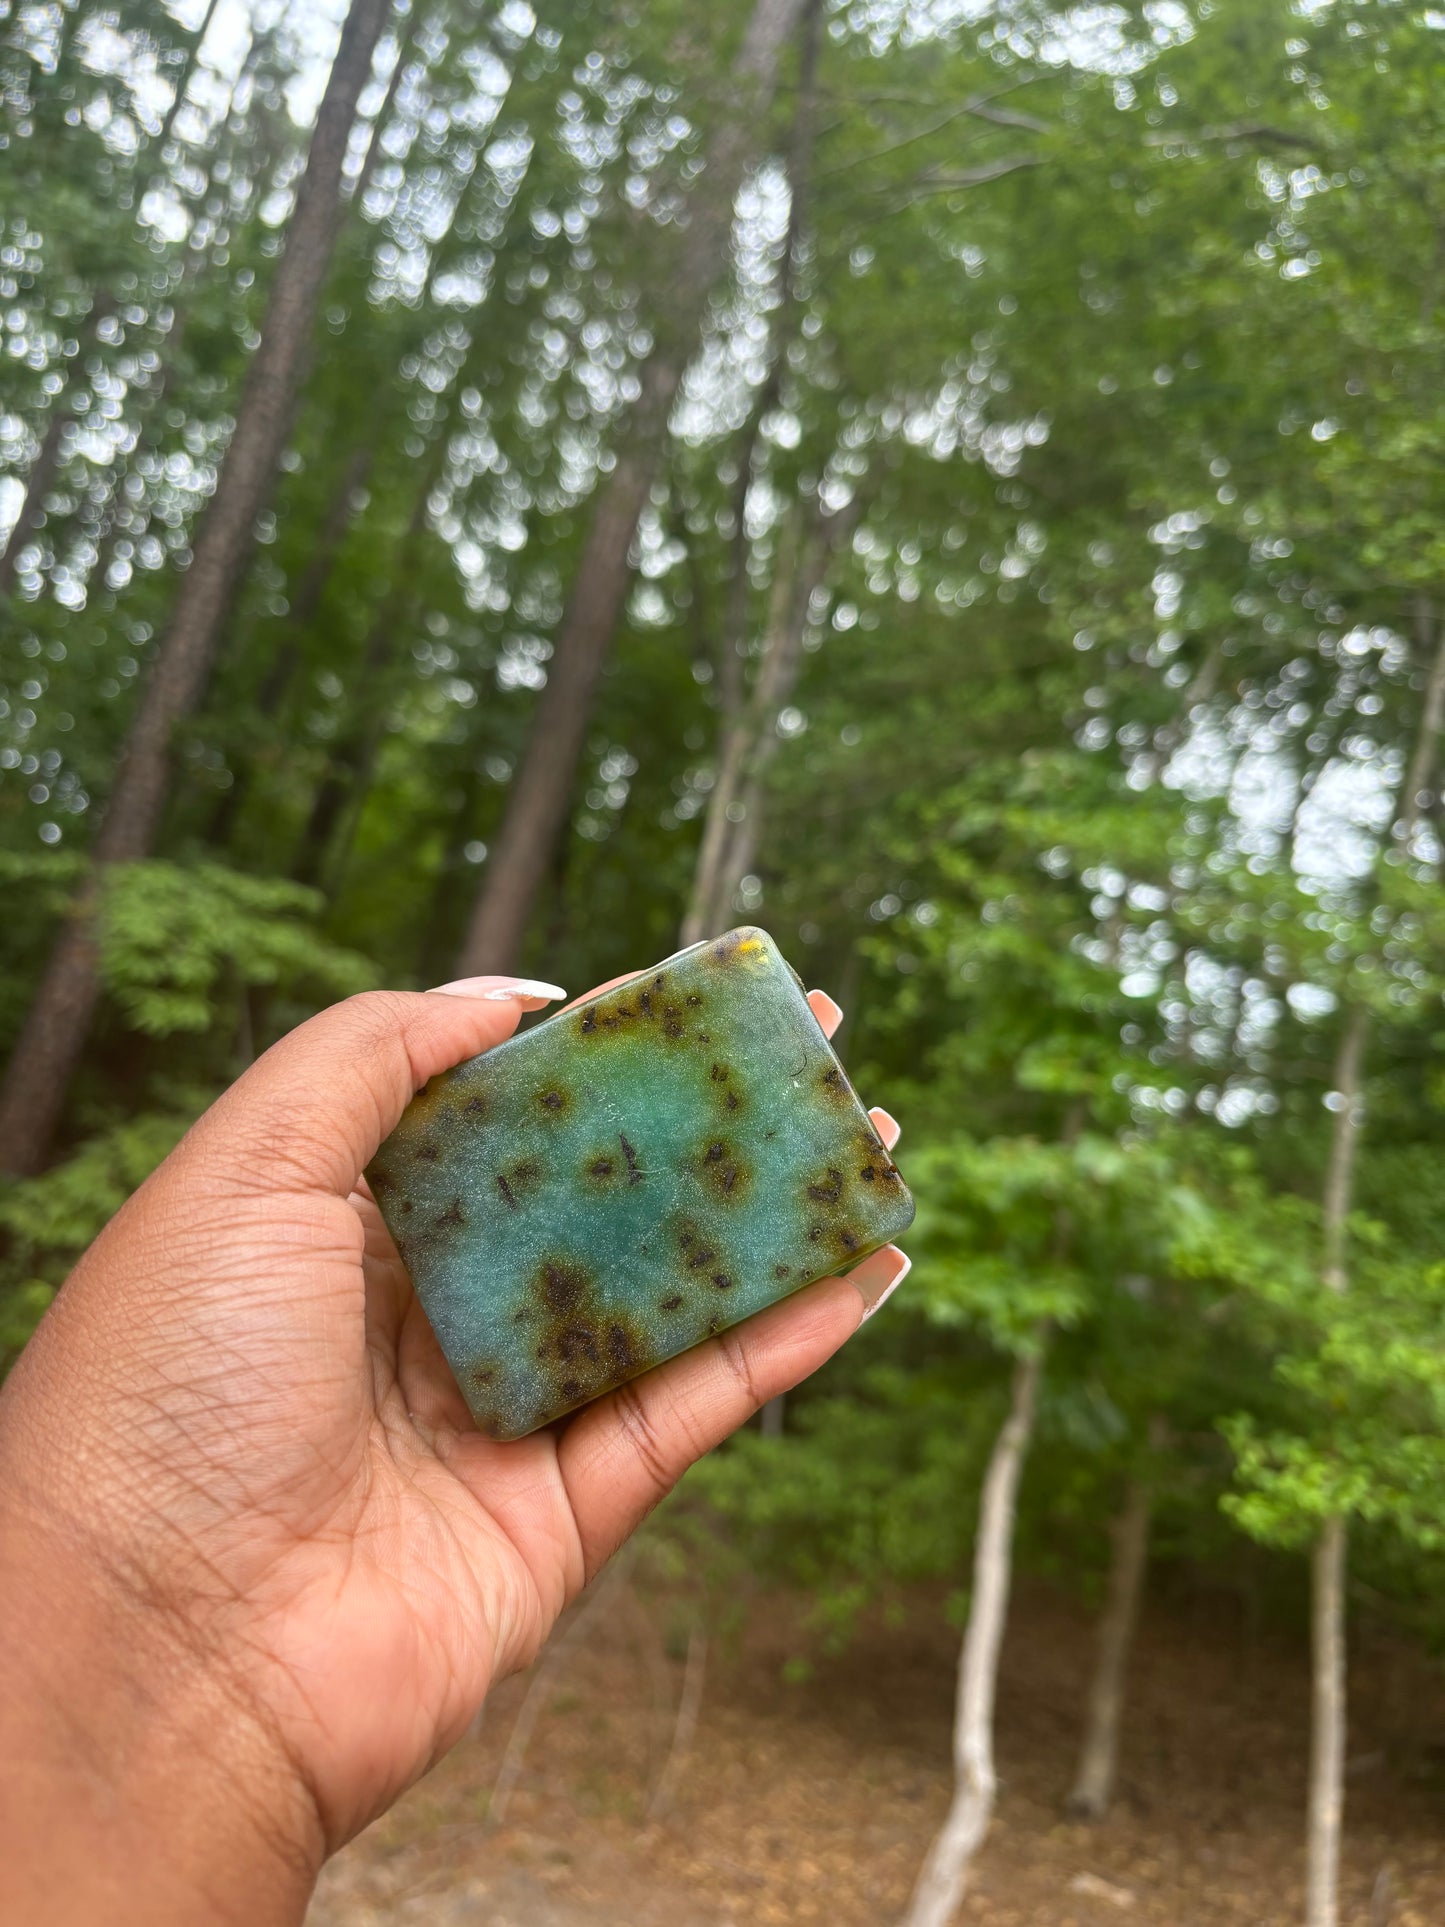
815,1802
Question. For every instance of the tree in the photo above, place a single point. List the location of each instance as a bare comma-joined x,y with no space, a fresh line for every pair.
1093,1788
58,1024
541,791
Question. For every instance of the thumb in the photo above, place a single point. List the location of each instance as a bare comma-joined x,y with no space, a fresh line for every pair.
310,1114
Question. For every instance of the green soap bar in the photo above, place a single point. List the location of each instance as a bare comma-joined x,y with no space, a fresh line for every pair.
616,1184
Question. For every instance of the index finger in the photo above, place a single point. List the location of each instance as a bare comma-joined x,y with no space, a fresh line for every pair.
620,1456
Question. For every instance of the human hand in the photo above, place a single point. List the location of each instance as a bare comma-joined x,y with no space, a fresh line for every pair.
260,1567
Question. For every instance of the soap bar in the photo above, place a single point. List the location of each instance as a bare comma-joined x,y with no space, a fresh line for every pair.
617,1183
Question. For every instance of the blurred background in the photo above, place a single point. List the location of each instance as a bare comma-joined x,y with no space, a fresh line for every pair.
492,486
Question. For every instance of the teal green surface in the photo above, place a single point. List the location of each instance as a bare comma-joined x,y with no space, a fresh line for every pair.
615,1185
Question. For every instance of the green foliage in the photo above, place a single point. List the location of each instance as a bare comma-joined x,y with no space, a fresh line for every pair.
1080,801
870,1492
172,938
46,1222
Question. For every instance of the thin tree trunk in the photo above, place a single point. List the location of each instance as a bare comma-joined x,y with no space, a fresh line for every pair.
1327,1723
541,795
351,758
733,822
1328,1569
55,1030
405,45
1380,1899
311,585
1420,773
42,473
38,483
689,1705
300,614
47,462
438,928
1098,1758
185,77
945,1871
109,531
715,878
1328,1565
592,1610
342,789
733,642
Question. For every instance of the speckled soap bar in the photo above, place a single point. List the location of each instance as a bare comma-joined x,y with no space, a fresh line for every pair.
610,1187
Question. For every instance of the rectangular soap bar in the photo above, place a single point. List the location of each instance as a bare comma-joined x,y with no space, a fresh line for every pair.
612,1186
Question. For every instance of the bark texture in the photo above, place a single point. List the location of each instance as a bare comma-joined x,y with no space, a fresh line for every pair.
1327,1723
540,800
1093,1788
733,822
55,1029
38,483
945,1871
350,763
1329,1566
305,602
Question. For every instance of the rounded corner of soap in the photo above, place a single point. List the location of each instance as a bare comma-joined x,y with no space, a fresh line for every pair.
908,1209
497,1431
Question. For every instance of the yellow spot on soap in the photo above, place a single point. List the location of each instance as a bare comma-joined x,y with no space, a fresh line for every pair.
750,943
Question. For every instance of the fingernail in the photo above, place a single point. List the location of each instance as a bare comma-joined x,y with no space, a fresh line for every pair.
501,989
886,1125
875,1299
526,987
828,1014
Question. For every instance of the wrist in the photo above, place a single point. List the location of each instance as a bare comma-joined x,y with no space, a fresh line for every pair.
139,1780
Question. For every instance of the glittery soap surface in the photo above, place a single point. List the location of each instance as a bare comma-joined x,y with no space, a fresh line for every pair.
612,1186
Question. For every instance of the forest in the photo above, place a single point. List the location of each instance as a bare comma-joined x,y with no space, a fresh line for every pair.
524,484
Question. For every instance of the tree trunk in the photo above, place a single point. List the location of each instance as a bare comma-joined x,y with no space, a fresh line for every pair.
351,758
595,1607
1098,1758
1420,774
733,642
300,614
48,456
54,1033
38,483
47,462
147,403
185,77
689,1706
405,47
733,822
1327,1724
945,1871
1328,1569
541,795
717,875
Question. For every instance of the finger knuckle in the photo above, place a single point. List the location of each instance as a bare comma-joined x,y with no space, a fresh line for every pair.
737,1360
379,1014
640,1431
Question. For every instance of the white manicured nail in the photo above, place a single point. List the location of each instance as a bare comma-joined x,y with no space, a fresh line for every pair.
828,1014
501,988
526,987
886,1125
888,1290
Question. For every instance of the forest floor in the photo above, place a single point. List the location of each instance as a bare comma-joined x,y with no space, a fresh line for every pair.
815,1801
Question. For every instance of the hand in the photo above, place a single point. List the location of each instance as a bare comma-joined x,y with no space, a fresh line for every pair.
259,1567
